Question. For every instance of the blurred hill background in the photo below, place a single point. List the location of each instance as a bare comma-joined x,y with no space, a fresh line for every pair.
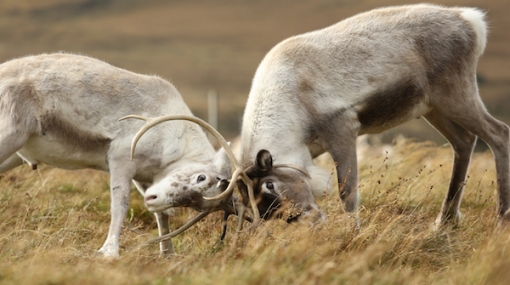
202,45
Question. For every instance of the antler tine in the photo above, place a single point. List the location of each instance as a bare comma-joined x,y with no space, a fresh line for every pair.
293,166
253,202
181,229
229,189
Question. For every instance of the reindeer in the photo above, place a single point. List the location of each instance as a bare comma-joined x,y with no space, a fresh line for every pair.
318,91
63,110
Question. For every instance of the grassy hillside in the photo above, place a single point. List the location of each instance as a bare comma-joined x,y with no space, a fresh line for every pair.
53,221
215,44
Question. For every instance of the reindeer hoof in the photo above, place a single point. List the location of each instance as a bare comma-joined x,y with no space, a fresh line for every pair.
505,219
106,256
109,251
356,225
506,216
447,219
166,248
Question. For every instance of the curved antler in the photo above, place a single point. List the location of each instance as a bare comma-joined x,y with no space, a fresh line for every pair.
230,187
151,122
238,171
239,208
181,229
295,167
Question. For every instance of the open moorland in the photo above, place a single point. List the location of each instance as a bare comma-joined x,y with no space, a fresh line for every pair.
53,221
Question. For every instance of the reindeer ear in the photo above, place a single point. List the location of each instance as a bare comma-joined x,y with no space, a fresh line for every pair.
263,164
222,164
264,161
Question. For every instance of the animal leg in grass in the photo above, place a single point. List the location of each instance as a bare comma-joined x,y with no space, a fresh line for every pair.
340,141
462,142
166,246
473,117
121,174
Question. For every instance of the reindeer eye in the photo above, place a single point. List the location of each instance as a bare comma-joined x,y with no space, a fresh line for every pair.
200,178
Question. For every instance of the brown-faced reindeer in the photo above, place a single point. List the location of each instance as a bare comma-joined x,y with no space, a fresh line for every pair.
318,91
63,110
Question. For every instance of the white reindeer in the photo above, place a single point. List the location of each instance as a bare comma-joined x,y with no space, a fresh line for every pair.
63,110
318,91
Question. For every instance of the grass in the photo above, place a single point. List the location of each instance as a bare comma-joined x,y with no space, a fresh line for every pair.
53,221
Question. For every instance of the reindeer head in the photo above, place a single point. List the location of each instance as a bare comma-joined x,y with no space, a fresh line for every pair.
191,183
281,191
188,185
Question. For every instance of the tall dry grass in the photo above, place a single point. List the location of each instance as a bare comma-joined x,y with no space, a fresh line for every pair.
53,221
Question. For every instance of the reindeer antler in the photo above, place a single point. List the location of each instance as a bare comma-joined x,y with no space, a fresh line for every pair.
238,172
295,167
181,229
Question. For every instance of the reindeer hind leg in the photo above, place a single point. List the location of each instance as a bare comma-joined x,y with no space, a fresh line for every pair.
11,140
467,110
462,142
11,162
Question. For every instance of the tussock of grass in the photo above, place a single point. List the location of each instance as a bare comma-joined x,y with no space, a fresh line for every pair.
53,221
